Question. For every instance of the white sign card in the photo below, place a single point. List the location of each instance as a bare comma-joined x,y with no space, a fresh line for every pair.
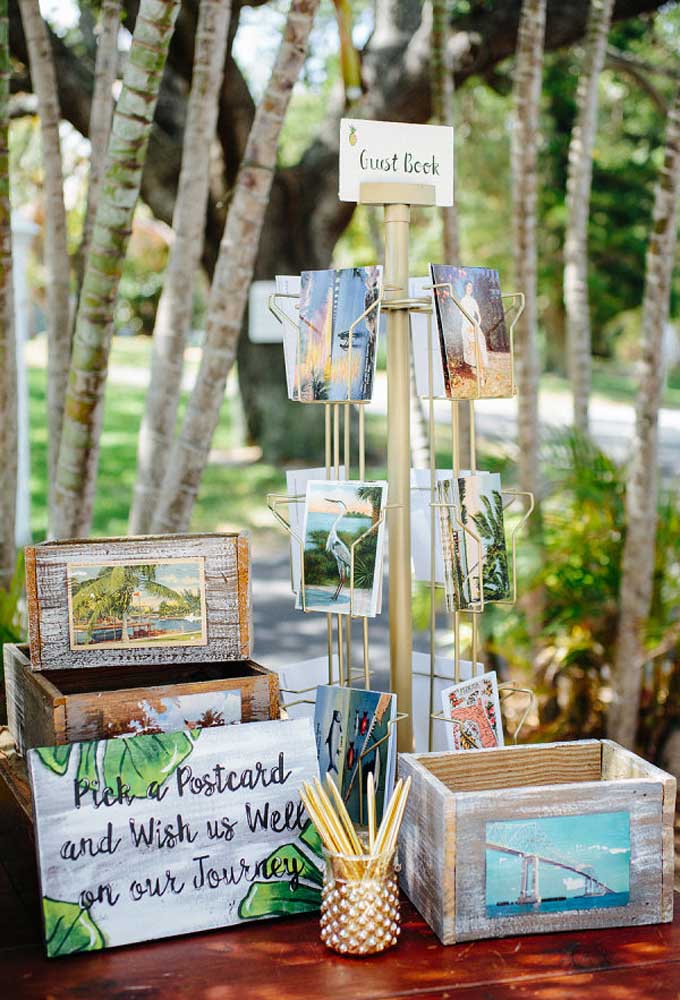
395,152
263,326
151,836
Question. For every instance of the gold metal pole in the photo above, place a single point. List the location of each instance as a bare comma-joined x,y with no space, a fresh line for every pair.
433,515
347,456
328,452
397,219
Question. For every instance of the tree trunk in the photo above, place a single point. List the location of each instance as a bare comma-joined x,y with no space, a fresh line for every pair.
173,318
232,277
56,248
579,180
8,360
101,113
635,595
527,95
443,112
133,118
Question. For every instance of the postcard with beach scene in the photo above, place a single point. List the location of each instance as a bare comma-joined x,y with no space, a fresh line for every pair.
296,489
172,713
555,863
481,510
473,706
338,515
473,337
123,605
330,302
354,738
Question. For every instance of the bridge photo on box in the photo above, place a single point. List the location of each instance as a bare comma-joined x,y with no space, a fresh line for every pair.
557,863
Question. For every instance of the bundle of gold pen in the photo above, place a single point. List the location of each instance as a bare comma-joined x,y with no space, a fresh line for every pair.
360,899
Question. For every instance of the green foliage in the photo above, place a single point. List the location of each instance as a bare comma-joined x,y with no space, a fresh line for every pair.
284,898
10,606
69,929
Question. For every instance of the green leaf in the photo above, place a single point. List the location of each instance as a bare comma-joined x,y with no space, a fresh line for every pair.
69,929
139,760
271,899
56,758
87,763
311,838
294,863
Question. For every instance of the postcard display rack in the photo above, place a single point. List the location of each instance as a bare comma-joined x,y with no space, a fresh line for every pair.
397,199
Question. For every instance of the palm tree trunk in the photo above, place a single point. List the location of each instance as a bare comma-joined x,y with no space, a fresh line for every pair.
443,90
635,595
8,360
132,121
101,113
173,319
56,249
232,277
527,94
579,180
350,63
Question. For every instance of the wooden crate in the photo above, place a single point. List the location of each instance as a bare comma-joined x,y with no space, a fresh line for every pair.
98,703
522,839
220,564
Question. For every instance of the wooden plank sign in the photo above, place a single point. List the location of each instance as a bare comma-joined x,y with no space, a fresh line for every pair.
142,600
151,836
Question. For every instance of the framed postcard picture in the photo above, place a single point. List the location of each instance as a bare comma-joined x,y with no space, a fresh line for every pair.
473,337
339,517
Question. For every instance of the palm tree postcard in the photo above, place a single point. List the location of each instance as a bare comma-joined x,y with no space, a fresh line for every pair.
473,337
473,713
481,507
457,587
354,737
328,366
121,605
341,517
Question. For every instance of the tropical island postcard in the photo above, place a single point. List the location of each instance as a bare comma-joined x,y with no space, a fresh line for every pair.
481,510
328,367
556,863
474,340
338,516
120,605
355,737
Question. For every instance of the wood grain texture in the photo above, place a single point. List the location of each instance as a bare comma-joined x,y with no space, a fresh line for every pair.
227,598
63,706
516,766
619,763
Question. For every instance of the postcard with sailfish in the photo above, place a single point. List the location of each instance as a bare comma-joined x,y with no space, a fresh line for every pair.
354,738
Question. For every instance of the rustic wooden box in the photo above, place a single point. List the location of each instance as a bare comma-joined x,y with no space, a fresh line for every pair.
524,839
102,632
62,706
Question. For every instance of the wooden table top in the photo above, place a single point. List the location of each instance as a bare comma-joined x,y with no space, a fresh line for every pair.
284,959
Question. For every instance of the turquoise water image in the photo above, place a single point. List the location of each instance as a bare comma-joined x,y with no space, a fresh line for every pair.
557,863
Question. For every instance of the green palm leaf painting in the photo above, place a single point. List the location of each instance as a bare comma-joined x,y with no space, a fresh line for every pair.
69,929
136,760
289,896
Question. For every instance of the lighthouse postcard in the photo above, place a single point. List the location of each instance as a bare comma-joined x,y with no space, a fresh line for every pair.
344,532
355,737
339,318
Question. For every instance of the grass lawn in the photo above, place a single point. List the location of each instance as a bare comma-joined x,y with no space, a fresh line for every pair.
612,384
231,497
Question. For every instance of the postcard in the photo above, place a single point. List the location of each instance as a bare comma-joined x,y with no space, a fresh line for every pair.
338,516
429,377
296,486
160,713
122,605
288,290
481,509
474,708
474,340
332,362
458,587
355,738
583,862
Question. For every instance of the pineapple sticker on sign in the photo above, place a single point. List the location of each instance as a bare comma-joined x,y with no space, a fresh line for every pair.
352,135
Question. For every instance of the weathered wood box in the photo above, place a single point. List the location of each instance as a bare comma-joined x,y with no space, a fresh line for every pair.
144,600
63,706
527,839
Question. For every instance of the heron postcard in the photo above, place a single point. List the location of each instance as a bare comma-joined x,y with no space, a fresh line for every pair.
473,336
336,360
355,737
123,605
342,518
473,713
555,863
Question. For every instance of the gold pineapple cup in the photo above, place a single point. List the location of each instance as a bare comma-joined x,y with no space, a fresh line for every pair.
360,903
